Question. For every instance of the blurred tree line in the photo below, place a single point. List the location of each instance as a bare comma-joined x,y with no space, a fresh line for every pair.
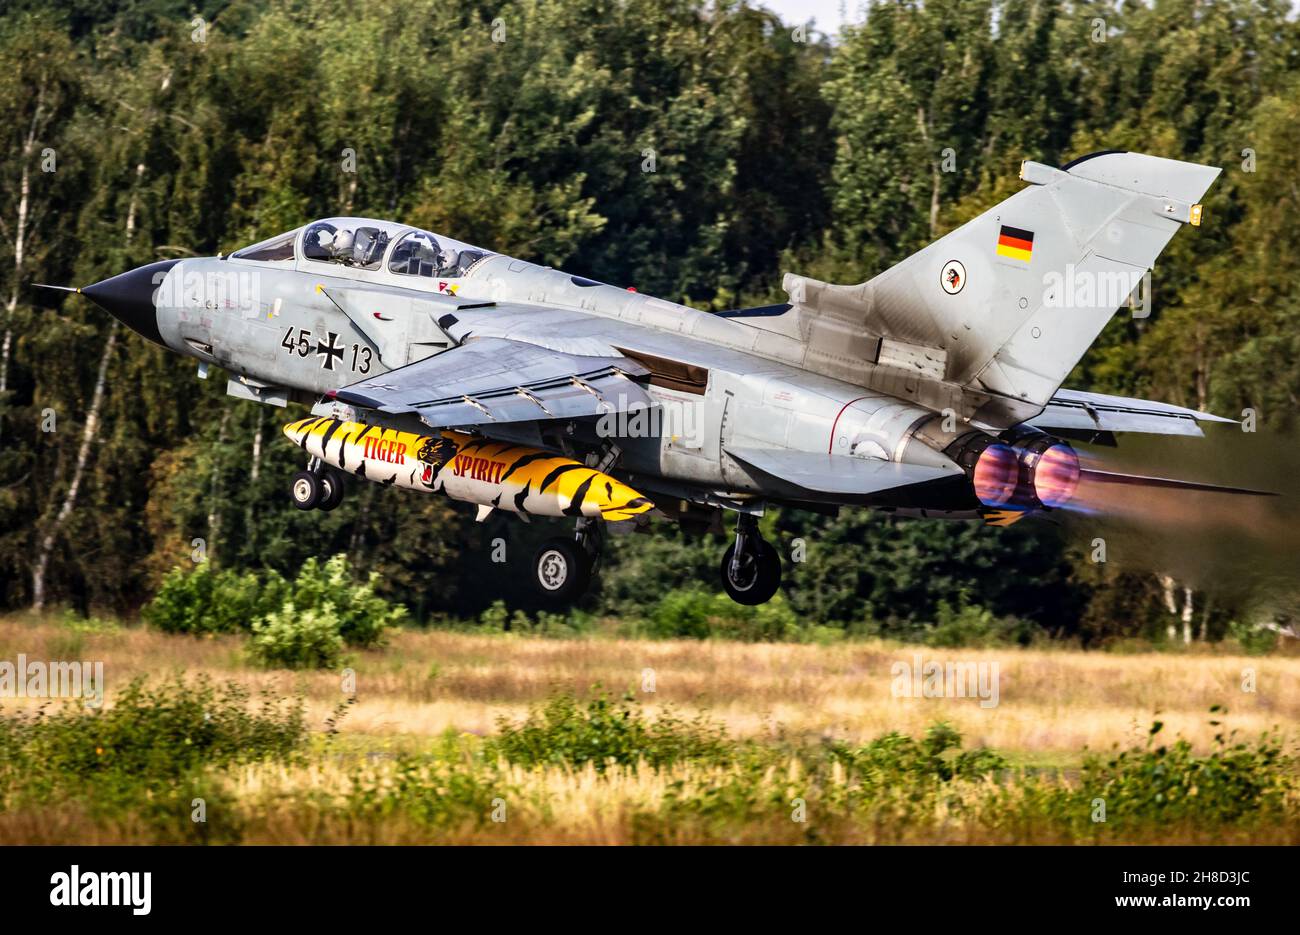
692,150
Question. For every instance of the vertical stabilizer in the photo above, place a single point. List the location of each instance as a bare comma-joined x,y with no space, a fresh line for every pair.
994,315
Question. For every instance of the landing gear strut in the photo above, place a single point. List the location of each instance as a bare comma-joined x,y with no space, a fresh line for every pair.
319,487
751,568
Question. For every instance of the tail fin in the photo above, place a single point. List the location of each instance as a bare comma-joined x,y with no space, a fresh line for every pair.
992,317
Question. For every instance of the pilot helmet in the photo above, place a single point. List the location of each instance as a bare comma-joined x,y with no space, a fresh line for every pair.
342,243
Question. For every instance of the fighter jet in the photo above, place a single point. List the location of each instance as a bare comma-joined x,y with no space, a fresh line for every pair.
930,390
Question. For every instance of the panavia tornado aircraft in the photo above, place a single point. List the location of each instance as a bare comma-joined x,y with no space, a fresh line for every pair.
931,390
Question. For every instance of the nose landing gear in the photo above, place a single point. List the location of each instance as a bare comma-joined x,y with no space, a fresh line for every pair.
751,567
319,487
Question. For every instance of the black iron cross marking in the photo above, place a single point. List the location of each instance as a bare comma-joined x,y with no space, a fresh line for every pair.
329,351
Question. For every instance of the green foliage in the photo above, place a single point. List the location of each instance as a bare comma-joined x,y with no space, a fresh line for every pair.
290,638
604,731
304,623
202,601
898,758
145,758
443,790
89,625
1157,784
143,762
698,614
360,615
975,626
895,780
1153,790
1252,638
150,739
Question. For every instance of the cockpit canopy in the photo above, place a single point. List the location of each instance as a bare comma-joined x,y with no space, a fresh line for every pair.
365,244
349,241
420,253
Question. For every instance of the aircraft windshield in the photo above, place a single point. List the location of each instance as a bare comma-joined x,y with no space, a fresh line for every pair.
353,242
420,253
279,247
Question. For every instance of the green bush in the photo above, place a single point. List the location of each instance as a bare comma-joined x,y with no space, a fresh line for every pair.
967,625
896,758
697,614
1160,784
1254,640
299,624
602,731
151,739
294,639
362,615
203,601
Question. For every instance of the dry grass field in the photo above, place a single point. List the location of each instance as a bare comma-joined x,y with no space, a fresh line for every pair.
426,688
1051,704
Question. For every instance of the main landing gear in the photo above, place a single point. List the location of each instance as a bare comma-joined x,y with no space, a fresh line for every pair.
318,488
751,567
562,567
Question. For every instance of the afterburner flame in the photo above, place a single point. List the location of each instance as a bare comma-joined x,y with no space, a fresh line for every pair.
996,474
1056,476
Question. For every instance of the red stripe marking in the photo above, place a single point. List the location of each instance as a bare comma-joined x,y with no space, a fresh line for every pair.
1016,242
830,446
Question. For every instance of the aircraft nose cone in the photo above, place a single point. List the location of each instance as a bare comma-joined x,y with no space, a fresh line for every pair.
129,297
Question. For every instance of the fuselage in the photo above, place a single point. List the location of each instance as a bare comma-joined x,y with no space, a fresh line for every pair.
717,382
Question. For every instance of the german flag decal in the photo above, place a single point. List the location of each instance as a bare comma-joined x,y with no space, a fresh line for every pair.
1015,243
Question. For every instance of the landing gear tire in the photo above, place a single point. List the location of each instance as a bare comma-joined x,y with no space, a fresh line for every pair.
306,490
757,575
561,570
331,490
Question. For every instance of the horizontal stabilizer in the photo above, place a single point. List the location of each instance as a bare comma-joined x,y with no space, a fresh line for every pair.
840,474
1078,412
1138,480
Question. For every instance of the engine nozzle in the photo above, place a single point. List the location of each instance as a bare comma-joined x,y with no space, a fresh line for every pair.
1024,471
1049,469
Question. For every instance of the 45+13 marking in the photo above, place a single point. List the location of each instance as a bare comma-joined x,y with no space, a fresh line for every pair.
328,350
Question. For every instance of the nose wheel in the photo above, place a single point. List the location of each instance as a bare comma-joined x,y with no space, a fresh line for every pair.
751,567
317,488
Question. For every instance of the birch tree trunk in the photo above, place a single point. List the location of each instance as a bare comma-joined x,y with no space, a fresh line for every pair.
257,448
88,433
1171,605
19,240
